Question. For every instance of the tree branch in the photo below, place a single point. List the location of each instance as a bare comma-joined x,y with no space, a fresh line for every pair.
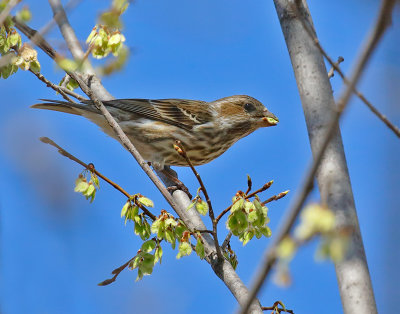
335,66
53,86
266,186
181,151
91,168
329,161
92,87
66,30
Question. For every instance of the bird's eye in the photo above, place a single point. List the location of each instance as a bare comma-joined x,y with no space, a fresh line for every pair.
249,107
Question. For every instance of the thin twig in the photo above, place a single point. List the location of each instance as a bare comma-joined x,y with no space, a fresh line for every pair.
116,272
71,93
55,87
226,241
335,66
275,197
331,72
249,185
181,150
203,231
266,186
379,28
91,168
275,308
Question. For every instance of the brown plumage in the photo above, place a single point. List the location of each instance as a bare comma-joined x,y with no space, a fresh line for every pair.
206,129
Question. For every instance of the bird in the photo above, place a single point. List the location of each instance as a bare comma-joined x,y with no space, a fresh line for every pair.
205,129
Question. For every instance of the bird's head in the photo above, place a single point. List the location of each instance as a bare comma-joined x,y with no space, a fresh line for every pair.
244,112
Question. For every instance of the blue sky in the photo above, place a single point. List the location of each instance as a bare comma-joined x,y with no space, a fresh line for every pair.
56,247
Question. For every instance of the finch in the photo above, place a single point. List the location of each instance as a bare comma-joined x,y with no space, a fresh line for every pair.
205,129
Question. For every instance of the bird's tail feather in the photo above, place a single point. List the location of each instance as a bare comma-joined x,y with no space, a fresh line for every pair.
63,106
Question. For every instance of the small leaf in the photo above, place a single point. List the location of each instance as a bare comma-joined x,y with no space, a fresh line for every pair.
125,208
91,35
158,254
266,231
200,248
170,222
185,249
202,207
81,185
252,216
237,205
169,236
249,207
155,225
146,201
191,205
35,66
148,246
14,39
248,235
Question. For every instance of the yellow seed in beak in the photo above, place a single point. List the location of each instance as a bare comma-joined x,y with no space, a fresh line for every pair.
271,121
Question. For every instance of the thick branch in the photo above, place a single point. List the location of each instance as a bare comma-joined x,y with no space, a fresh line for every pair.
66,29
329,161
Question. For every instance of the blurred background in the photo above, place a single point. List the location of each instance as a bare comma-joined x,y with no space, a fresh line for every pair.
56,247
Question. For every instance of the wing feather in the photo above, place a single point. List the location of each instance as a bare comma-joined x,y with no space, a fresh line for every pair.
180,112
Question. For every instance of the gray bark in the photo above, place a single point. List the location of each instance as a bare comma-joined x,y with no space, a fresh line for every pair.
333,177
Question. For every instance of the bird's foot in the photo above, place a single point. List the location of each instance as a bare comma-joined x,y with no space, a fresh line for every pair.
173,182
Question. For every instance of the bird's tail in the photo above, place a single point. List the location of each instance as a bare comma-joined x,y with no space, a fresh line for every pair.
63,106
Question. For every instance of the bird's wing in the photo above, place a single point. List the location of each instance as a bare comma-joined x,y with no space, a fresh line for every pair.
180,112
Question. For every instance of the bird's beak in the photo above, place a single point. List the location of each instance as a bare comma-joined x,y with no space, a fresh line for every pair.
269,119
